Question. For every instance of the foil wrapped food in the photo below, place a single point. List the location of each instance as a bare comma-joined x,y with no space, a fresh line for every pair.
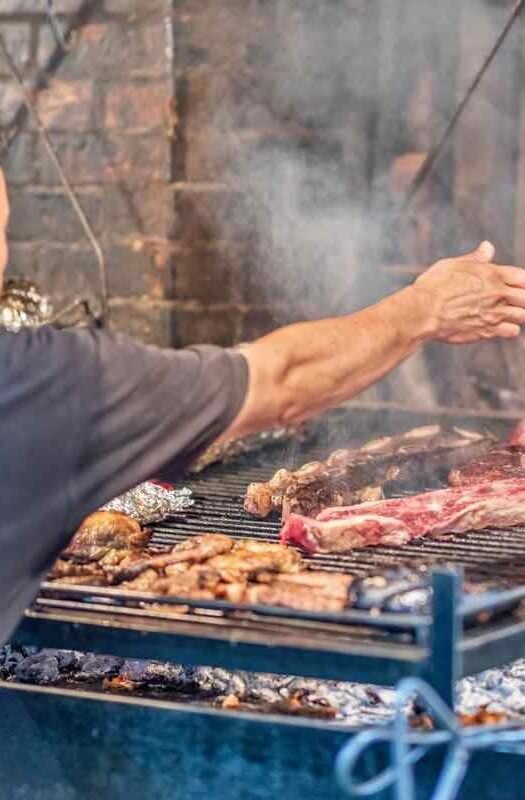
149,502
22,305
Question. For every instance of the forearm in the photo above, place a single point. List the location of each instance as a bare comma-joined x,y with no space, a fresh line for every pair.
306,368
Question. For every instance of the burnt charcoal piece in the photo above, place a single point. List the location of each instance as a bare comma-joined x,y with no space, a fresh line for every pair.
68,660
10,658
40,669
96,668
159,675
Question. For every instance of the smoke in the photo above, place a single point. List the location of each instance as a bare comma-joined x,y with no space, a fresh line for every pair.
335,106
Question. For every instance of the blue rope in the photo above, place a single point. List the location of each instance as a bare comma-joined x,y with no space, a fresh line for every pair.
408,747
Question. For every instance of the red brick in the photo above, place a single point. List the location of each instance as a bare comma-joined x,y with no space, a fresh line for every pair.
17,37
19,164
142,209
207,214
114,49
209,326
107,158
42,215
256,323
137,268
67,106
208,274
143,319
138,106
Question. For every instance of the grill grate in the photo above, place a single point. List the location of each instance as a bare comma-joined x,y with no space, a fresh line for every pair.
494,556
488,554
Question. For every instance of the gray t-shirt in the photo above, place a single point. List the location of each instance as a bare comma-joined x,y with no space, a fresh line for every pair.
85,416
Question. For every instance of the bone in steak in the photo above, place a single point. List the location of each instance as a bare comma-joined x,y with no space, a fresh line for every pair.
396,522
354,476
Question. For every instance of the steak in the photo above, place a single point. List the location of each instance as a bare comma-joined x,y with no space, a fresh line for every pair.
502,463
398,521
354,476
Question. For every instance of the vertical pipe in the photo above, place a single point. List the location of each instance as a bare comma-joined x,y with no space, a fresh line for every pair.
444,666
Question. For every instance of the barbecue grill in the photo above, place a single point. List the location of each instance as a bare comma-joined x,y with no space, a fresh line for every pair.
461,635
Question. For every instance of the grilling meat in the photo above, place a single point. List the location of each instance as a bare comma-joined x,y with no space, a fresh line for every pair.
396,522
191,551
307,591
498,464
104,531
347,477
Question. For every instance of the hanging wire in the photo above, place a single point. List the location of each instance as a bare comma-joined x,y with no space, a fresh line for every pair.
438,148
55,27
86,225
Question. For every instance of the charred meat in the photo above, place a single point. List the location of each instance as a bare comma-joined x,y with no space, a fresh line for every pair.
348,477
104,531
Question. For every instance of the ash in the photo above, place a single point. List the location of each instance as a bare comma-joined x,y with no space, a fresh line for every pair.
500,691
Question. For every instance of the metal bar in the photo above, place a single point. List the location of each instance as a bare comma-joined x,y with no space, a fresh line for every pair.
445,658
284,653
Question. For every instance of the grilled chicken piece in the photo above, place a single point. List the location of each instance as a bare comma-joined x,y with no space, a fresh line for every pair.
246,562
104,531
191,551
293,595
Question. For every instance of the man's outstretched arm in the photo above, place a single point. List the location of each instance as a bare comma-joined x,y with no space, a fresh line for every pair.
300,370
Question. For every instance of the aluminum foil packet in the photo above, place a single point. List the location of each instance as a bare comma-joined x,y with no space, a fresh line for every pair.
149,502
22,305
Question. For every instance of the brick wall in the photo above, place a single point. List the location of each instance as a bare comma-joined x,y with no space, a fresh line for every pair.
241,161
106,103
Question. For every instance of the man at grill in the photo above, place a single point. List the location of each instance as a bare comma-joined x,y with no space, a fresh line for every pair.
87,415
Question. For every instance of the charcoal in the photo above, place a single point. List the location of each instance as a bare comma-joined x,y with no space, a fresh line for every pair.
96,668
39,668
68,660
216,682
10,661
154,673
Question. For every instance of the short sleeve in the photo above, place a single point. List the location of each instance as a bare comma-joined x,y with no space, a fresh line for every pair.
150,411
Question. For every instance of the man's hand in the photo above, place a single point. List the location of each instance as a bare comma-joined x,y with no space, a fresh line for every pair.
305,368
467,299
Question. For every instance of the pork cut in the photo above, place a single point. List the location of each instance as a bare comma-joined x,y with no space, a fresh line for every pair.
398,521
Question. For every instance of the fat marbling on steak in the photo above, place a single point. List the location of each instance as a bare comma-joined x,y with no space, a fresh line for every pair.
398,521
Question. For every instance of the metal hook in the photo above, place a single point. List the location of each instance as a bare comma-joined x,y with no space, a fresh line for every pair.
407,748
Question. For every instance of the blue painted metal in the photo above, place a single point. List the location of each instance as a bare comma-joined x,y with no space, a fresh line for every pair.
408,747
444,666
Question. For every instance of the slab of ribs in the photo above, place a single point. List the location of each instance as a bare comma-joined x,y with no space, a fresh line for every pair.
391,463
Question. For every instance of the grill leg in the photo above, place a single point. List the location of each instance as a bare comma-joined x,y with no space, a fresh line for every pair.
444,665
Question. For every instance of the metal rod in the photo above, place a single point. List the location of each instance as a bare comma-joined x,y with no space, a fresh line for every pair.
86,225
436,151
445,632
